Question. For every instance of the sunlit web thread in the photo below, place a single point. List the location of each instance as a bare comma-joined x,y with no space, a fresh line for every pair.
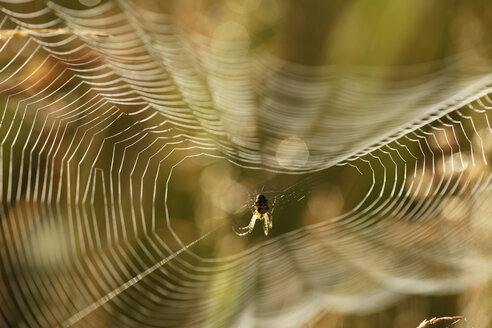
297,190
277,257
114,293
159,31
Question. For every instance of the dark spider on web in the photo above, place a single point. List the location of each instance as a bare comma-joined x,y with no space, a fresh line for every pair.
261,212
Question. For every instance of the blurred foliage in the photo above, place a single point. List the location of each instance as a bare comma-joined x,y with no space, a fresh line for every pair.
405,38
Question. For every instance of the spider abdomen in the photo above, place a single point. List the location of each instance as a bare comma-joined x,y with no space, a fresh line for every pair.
261,204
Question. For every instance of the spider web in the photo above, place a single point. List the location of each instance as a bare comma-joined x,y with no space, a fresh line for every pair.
129,147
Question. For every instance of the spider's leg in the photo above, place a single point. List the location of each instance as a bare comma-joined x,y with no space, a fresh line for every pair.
266,224
251,224
273,205
251,207
249,228
271,213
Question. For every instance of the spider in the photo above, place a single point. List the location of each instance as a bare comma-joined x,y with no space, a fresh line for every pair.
261,212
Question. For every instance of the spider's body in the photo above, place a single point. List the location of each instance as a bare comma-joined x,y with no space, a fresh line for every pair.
261,212
261,204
